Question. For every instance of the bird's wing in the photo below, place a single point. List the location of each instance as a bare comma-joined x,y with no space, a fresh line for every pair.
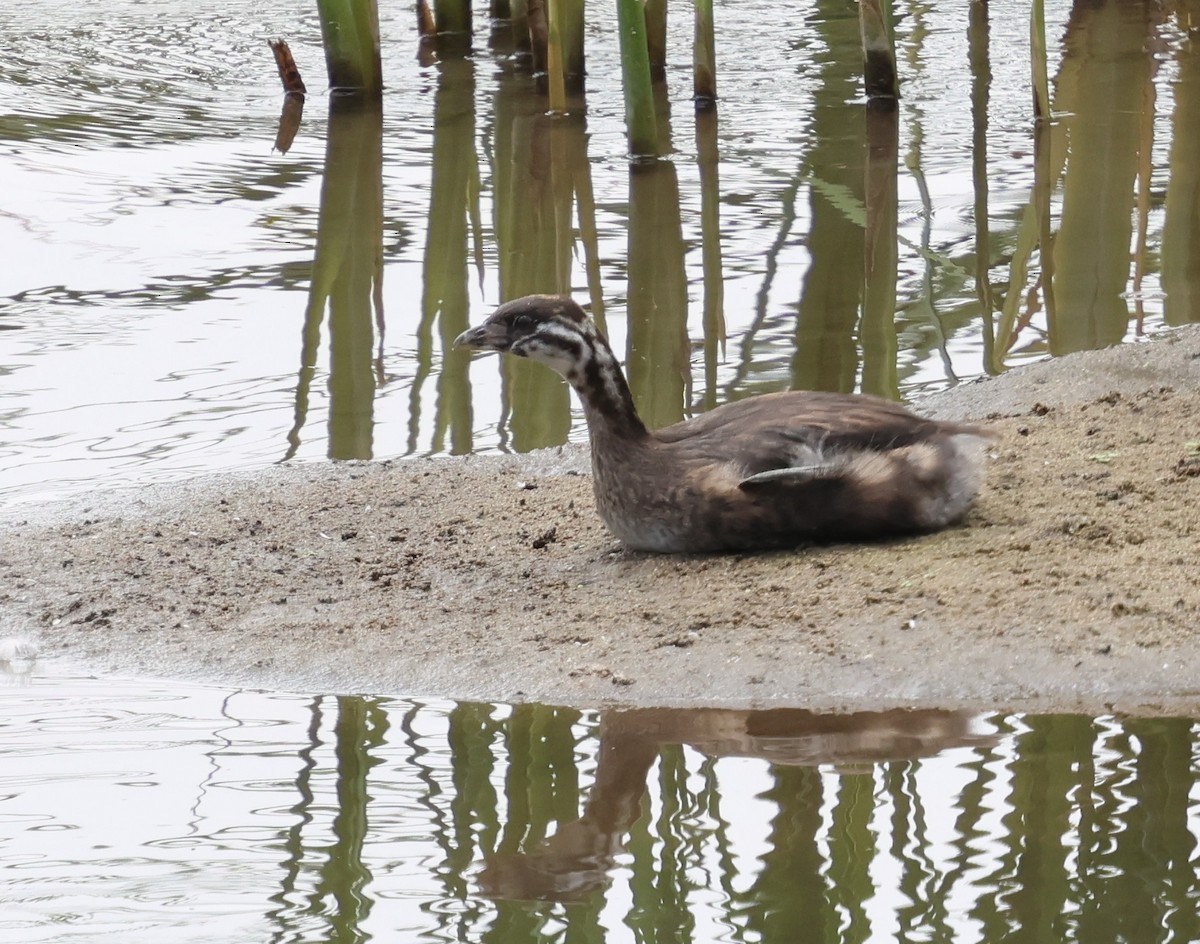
801,431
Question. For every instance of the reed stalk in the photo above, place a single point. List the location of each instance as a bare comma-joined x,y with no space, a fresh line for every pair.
289,73
570,15
426,25
427,34
519,22
640,122
1038,61
704,57
655,12
879,50
293,97
555,69
350,33
978,55
539,36
453,16
708,158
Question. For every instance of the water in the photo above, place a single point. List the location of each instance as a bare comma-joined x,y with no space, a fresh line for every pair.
178,812
178,296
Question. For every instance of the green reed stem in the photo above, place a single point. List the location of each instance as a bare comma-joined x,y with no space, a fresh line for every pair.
571,21
640,124
704,57
350,32
554,57
1037,51
655,12
453,16
879,49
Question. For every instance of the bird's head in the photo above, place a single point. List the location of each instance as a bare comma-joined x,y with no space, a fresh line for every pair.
550,329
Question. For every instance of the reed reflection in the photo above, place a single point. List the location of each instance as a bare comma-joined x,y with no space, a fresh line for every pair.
657,358
825,352
538,162
1181,227
347,280
708,155
979,56
325,888
453,206
1069,265
1099,149
880,255
576,860
916,824
1104,85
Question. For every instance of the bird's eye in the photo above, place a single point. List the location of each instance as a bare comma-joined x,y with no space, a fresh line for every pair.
523,322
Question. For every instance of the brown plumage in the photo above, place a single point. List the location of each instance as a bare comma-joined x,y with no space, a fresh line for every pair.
770,471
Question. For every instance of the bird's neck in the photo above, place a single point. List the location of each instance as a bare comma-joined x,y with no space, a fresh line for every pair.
607,401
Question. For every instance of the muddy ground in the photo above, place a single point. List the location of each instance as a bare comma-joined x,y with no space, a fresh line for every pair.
1073,584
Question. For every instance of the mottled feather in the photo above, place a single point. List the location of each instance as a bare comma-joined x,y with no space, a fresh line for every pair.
768,471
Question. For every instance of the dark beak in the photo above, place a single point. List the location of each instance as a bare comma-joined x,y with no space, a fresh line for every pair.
489,336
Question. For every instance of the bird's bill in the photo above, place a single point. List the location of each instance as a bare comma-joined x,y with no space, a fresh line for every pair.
489,336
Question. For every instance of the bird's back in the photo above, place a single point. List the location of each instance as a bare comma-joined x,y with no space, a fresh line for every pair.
782,469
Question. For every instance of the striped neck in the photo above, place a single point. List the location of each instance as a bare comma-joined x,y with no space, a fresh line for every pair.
607,400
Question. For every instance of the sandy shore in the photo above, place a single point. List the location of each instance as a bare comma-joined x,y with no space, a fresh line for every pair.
1073,584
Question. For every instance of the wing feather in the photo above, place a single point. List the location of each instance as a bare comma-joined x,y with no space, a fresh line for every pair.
804,431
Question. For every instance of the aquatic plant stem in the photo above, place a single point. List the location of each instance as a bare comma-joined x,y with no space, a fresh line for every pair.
879,49
350,32
453,16
640,123
1037,53
704,57
655,12
554,57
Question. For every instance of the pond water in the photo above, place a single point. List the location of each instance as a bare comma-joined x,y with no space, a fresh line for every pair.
180,295
150,812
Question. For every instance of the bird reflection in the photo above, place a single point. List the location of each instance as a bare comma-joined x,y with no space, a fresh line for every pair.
575,861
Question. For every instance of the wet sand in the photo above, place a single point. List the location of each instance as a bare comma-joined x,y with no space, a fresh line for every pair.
1072,584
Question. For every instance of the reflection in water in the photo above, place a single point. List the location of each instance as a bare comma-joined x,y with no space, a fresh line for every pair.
453,199
1181,228
576,860
537,164
825,356
658,352
347,278
131,807
1099,148
1104,85
147,211
878,331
